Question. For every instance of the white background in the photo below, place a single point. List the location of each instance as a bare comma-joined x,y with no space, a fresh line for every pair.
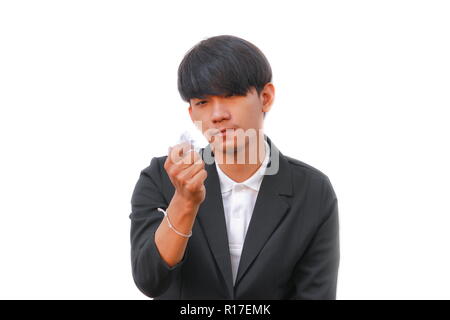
88,96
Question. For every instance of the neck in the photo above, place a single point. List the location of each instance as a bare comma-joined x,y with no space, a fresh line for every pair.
240,172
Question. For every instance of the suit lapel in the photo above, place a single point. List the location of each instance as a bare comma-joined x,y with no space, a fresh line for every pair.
270,208
211,218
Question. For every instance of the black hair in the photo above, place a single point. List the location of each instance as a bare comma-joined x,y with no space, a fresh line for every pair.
222,65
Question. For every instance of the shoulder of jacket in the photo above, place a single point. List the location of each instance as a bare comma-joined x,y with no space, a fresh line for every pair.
304,168
155,167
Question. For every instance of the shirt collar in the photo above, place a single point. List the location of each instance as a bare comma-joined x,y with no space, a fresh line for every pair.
253,182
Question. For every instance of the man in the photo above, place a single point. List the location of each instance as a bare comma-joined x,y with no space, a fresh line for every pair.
239,220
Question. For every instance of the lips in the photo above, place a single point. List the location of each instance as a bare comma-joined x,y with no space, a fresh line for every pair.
218,132
223,132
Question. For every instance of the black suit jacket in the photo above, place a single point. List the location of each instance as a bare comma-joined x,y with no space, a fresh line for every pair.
291,249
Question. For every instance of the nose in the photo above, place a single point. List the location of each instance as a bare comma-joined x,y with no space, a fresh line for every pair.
220,112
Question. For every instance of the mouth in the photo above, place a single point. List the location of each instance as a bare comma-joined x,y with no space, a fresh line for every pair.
226,131
219,133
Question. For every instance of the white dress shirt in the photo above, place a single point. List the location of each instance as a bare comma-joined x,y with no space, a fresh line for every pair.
238,202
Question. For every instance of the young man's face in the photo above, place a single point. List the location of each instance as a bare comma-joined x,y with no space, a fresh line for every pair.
242,115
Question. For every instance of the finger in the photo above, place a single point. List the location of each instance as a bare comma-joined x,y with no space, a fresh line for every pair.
198,179
191,171
189,158
177,152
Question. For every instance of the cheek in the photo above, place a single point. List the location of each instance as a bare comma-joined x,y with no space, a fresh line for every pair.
248,114
199,116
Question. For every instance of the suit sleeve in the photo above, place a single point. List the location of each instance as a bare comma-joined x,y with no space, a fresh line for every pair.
316,273
151,274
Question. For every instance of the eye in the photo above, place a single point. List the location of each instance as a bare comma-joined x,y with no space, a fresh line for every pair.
201,102
229,95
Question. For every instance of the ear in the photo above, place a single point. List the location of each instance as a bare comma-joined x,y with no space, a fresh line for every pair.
190,112
268,96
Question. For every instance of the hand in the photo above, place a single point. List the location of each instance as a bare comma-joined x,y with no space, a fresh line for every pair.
186,171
